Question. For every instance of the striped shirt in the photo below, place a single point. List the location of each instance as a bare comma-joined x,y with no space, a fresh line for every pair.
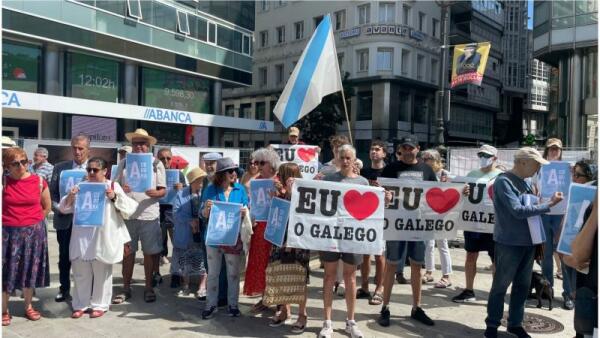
44,170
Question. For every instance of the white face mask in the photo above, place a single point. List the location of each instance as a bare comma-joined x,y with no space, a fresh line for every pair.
485,162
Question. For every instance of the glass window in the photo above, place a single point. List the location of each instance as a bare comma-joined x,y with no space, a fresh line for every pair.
262,76
562,8
164,16
434,71
228,38
260,110
117,7
434,27
246,47
272,116
264,38
264,5
365,106
317,20
279,74
421,21
299,30
212,32
363,60
385,58
590,70
280,34
405,61
406,15
541,13
171,90
246,110
93,78
564,22
421,109
340,58
134,9
21,67
230,110
202,29
586,6
387,12
404,104
420,67
183,25
364,14
340,20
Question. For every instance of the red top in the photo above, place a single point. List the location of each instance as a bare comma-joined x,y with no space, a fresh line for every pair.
21,201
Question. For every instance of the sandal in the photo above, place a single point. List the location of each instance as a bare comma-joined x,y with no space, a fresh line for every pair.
77,314
377,299
6,318
426,279
361,293
149,296
32,314
97,313
299,326
277,321
443,283
122,297
258,307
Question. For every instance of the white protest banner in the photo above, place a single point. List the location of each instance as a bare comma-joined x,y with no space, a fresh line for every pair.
477,214
338,217
305,156
421,210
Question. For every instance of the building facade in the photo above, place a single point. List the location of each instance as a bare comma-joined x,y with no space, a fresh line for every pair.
565,35
119,65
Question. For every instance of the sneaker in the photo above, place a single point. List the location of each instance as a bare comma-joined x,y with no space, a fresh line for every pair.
184,292
419,315
490,332
327,330
384,316
353,329
400,279
234,311
518,331
467,296
568,304
209,312
341,290
156,279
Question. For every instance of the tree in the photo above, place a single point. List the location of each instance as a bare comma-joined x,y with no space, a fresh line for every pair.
322,122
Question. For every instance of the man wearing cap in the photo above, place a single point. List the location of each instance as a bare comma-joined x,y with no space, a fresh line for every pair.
408,167
476,241
514,252
294,136
143,225
123,151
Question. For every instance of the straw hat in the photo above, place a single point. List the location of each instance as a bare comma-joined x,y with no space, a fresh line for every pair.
140,133
195,174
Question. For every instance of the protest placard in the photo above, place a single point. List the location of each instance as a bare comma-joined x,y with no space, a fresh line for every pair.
279,213
536,226
581,196
477,214
172,179
69,179
89,205
305,156
140,172
224,224
421,210
260,198
336,217
113,171
555,177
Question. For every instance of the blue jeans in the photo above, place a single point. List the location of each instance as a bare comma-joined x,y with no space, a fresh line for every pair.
552,228
514,264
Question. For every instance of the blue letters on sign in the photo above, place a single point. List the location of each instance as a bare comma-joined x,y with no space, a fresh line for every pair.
10,99
89,205
279,213
224,224
139,172
68,179
172,179
555,177
167,115
260,198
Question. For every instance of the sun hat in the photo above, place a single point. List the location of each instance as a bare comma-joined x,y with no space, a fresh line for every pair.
140,133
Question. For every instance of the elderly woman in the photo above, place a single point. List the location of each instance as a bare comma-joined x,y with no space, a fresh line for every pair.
188,256
94,250
25,204
433,159
346,162
224,189
260,249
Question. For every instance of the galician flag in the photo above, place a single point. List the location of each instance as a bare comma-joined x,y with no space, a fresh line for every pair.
316,75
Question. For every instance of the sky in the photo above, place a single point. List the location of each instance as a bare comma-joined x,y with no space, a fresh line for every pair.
530,14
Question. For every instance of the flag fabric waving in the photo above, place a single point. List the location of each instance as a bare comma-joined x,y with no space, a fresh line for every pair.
316,75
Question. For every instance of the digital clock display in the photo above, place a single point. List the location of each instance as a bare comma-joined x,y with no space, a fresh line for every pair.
170,90
93,78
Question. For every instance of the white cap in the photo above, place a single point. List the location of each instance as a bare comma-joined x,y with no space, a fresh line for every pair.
488,149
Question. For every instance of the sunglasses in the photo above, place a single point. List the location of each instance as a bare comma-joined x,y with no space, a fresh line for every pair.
254,163
261,163
578,175
16,164
230,171
139,143
165,158
92,170
482,155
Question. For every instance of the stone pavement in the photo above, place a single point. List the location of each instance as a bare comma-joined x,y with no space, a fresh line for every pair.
173,316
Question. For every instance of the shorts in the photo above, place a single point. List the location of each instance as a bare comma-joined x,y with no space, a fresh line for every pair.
147,232
479,241
394,250
348,258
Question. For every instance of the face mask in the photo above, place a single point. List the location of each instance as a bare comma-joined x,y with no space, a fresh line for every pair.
485,162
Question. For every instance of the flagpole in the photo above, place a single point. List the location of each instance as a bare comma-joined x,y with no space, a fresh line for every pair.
347,118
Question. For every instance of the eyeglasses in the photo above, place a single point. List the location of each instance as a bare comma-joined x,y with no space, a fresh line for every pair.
165,158
139,143
254,163
92,170
230,171
261,163
483,155
578,175
16,164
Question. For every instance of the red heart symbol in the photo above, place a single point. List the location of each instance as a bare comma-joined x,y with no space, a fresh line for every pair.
491,192
360,206
306,154
441,201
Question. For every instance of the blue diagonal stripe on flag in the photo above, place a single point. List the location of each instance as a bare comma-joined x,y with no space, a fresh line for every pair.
313,53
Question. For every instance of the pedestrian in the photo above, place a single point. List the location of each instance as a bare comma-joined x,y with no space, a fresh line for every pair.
286,174
41,166
188,256
250,174
225,189
294,136
144,224
260,248
25,204
123,151
94,250
407,168
432,158
477,241
346,162
514,250
80,148
377,155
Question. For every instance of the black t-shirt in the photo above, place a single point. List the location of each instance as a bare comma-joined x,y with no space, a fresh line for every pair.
371,174
419,171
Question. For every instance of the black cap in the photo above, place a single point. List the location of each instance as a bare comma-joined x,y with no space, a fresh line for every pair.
410,140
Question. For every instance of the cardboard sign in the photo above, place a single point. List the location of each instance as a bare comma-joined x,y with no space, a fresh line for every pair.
279,213
305,156
69,179
260,198
224,224
421,210
555,177
338,217
581,196
477,214
89,205
172,179
139,172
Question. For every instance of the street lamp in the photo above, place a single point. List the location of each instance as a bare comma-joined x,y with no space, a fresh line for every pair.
442,97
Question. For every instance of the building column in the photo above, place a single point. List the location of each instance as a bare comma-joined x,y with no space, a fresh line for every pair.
381,111
52,122
217,97
130,96
575,118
